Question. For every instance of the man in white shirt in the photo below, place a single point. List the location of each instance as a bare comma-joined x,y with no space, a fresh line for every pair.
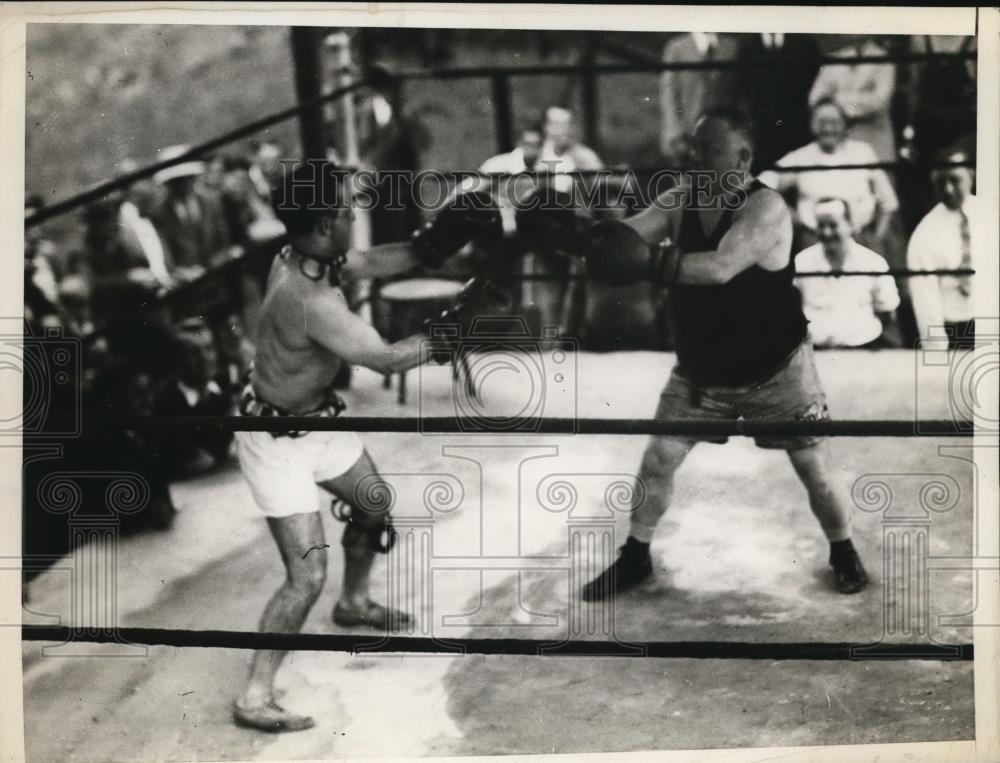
865,92
561,151
522,158
138,233
853,311
868,192
555,302
946,239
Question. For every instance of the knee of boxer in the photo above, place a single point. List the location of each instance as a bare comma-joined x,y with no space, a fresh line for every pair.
308,579
659,462
366,527
379,538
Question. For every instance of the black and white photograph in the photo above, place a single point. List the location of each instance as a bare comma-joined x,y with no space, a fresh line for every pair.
459,381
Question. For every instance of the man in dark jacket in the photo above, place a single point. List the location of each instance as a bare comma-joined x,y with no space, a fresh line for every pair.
780,71
190,220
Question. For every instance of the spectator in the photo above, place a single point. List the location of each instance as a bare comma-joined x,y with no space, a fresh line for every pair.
193,391
686,94
124,390
190,219
868,192
780,70
138,233
556,302
265,168
857,311
391,142
947,238
561,151
41,287
120,279
524,156
939,110
941,101
215,172
864,93
250,218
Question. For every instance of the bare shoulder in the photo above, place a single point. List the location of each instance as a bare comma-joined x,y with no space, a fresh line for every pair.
670,203
764,206
321,297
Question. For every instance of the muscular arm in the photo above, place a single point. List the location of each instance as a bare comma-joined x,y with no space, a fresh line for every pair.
660,219
757,230
330,323
382,261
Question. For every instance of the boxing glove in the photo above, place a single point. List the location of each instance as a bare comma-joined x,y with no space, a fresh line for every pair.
548,221
470,217
619,256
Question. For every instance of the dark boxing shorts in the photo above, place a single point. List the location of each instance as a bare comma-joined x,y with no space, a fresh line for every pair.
791,393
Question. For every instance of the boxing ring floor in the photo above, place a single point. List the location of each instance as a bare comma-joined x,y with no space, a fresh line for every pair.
739,558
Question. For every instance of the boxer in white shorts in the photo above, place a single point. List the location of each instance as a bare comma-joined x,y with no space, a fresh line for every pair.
306,332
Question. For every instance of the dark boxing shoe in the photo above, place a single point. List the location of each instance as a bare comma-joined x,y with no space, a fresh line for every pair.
633,566
371,615
849,574
270,717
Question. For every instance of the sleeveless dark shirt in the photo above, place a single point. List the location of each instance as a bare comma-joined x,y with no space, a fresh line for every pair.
736,333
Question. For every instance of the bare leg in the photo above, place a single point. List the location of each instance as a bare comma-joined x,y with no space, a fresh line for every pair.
652,495
656,485
812,465
299,538
828,503
362,488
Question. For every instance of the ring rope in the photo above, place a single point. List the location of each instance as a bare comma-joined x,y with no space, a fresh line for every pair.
894,272
554,425
625,171
123,181
330,642
662,66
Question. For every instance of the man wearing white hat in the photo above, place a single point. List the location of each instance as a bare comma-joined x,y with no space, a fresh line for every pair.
190,219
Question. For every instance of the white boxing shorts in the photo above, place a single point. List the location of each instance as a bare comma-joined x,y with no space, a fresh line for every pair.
283,469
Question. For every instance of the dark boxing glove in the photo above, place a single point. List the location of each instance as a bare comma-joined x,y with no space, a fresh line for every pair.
479,298
548,221
619,256
472,216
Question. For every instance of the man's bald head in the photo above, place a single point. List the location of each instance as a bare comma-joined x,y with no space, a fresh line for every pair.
722,142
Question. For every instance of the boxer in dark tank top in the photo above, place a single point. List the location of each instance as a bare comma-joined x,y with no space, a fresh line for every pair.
741,339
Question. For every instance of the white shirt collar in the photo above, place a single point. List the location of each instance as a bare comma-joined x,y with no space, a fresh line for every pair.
190,394
773,39
702,41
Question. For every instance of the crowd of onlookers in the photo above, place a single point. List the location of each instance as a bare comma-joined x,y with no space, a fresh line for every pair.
807,114
851,212
143,243
142,353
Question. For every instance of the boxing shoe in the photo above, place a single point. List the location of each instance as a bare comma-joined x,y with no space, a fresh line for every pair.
849,574
371,615
633,566
270,717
